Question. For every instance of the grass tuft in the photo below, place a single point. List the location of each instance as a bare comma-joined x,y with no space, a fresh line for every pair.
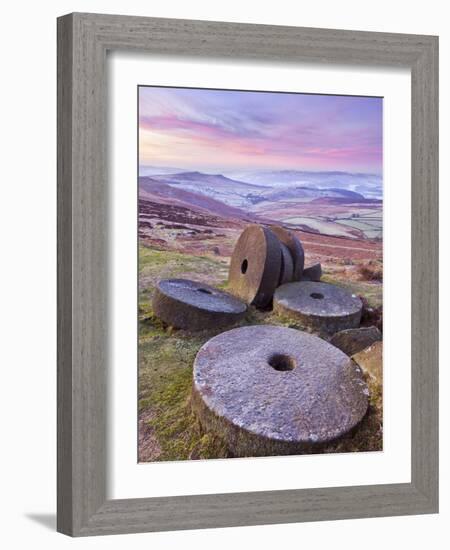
370,272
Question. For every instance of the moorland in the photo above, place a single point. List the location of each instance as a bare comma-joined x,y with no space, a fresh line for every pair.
189,222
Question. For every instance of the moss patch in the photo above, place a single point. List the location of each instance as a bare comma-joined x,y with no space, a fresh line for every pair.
165,378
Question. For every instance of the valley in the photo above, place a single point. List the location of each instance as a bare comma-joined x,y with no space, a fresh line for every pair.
334,208
203,214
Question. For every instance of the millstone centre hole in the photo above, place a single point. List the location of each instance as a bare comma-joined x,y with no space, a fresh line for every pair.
316,295
281,362
204,290
244,267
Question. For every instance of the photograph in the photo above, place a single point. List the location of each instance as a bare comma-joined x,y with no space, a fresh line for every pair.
260,273
235,263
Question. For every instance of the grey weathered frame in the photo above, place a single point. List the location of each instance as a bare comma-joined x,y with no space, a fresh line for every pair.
83,41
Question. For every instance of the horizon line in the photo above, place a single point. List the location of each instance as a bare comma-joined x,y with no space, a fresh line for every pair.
179,170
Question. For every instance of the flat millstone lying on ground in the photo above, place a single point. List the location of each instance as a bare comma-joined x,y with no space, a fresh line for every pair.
191,305
319,306
255,266
271,390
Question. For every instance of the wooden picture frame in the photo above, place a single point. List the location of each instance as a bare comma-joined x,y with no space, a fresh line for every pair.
83,41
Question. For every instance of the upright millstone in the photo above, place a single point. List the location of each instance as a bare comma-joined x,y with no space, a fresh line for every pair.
255,266
320,306
287,266
294,246
191,305
270,390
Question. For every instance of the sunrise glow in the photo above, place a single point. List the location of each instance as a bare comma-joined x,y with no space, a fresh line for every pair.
217,130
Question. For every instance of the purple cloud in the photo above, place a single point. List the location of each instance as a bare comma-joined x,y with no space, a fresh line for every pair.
230,128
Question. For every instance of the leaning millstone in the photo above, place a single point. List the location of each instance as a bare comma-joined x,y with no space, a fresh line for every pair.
353,340
319,306
295,247
312,273
192,305
255,266
269,390
371,361
287,266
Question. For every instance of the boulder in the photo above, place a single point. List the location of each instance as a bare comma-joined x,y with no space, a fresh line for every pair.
312,273
353,340
371,361
371,316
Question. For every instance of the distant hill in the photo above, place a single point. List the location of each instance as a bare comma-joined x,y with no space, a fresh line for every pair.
309,194
200,179
151,188
310,205
226,190
243,195
369,185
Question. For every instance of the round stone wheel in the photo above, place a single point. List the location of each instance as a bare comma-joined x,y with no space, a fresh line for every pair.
269,390
295,247
320,306
191,305
287,266
255,266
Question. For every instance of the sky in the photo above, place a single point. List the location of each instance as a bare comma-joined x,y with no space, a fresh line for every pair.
220,130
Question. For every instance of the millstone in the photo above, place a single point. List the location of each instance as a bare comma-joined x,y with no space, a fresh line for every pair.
271,390
195,306
320,306
255,266
295,248
287,266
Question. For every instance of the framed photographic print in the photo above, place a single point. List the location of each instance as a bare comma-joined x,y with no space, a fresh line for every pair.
247,269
